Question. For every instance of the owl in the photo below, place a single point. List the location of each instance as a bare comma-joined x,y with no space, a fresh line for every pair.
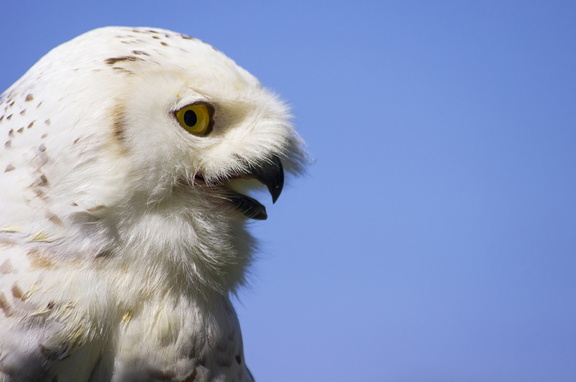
127,161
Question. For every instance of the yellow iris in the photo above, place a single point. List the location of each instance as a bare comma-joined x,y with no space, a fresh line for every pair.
196,118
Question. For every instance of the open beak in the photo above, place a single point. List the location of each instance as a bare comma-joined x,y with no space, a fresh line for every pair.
271,174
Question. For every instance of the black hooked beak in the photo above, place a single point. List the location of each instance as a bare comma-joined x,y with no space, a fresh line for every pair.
271,174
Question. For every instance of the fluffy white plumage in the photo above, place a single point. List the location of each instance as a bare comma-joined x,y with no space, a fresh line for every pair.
121,237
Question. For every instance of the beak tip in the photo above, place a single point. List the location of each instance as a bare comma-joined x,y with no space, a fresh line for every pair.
272,175
275,192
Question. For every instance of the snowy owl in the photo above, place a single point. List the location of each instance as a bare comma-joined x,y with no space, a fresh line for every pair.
126,161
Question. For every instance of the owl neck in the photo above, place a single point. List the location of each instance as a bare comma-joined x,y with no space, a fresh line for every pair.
184,247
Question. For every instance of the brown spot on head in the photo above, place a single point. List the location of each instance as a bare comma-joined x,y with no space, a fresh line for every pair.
9,168
9,117
23,112
113,60
31,124
123,70
163,43
29,98
20,130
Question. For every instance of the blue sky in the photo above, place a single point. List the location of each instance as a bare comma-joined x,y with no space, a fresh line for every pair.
434,236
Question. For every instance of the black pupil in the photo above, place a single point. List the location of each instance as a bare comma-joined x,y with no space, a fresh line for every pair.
190,118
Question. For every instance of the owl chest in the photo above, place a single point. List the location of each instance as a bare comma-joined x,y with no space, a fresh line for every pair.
181,341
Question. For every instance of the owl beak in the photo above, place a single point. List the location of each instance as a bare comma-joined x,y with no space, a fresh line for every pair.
271,174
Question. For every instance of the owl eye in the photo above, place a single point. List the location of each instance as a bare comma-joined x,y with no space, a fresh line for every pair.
196,118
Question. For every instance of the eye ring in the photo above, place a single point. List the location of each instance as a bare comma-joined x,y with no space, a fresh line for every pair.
196,118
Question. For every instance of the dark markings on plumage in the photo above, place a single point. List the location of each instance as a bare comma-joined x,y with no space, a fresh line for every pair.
123,70
40,260
47,122
8,144
29,98
163,43
9,168
140,52
118,124
53,218
113,60
4,305
39,193
23,112
42,147
9,117
41,181
30,125
18,293
11,133
103,254
20,130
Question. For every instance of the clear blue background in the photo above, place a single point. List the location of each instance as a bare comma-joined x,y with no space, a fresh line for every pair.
434,236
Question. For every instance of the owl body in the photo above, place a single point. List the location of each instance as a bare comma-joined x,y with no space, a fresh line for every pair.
123,210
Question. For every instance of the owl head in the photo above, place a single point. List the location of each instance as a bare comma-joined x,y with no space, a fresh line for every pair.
146,137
